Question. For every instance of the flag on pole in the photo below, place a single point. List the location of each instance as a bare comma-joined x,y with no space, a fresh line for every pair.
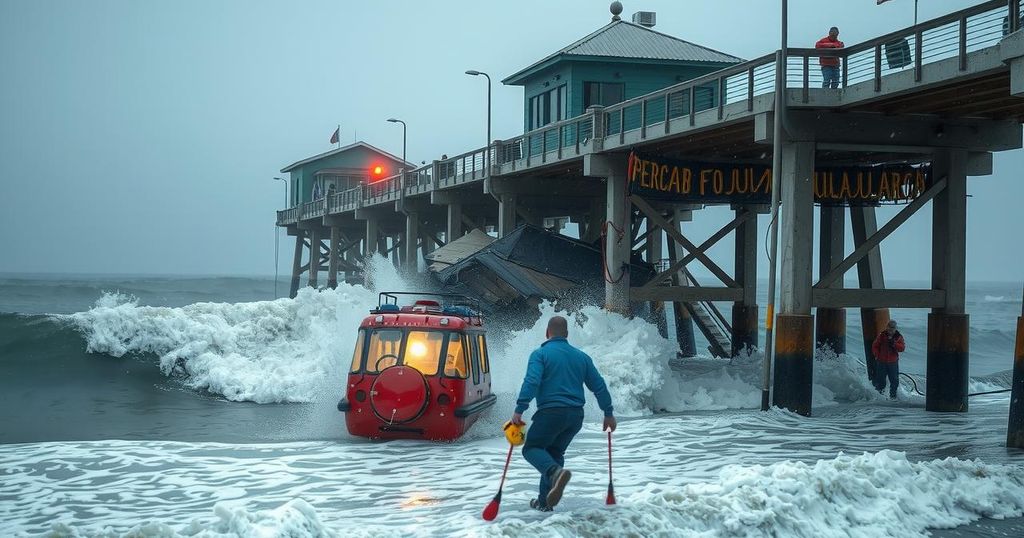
336,136
880,2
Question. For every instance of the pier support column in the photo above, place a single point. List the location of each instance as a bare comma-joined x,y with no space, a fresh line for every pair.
1015,426
617,243
681,316
948,327
506,214
314,256
794,344
869,276
830,323
332,258
410,248
744,312
297,264
654,251
453,230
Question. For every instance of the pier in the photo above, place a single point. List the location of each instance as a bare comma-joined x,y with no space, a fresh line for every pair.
918,111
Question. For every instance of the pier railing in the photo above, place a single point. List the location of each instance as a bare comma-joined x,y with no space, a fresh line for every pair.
555,141
952,36
465,168
724,92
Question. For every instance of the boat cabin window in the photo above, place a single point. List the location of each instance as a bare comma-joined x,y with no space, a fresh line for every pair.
475,361
357,356
484,361
423,350
455,358
384,349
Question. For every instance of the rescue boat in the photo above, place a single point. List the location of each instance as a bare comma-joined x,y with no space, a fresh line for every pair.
418,371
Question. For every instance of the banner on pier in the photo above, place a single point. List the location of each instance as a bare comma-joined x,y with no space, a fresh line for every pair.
674,180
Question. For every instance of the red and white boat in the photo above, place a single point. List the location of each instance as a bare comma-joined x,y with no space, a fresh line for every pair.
419,371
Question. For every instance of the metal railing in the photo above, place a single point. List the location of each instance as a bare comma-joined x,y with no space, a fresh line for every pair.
562,138
346,200
288,216
952,36
470,166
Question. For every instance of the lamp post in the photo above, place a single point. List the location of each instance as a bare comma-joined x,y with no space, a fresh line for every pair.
393,120
277,237
475,73
779,113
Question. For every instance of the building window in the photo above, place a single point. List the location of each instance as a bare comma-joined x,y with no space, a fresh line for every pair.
602,93
548,107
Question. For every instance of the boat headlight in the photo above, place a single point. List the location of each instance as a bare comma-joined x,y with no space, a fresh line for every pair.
444,321
379,319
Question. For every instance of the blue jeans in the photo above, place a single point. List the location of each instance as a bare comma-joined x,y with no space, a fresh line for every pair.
830,76
547,439
890,370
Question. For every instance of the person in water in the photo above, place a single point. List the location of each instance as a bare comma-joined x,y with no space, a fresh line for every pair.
555,376
887,348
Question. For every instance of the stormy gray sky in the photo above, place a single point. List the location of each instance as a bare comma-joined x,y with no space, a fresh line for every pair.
141,136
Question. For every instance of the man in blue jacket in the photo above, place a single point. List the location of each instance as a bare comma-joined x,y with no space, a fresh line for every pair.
555,376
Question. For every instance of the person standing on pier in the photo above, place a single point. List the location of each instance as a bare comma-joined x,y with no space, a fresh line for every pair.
829,64
887,348
555,376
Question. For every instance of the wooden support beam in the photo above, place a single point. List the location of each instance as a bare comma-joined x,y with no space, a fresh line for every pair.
881,234
747,215
682,240
685,294
877,298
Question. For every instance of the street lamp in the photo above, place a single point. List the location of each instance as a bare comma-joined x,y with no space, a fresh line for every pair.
393,120
475,73
277,237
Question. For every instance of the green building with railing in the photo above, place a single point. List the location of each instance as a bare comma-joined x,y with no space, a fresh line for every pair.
338,170
617,62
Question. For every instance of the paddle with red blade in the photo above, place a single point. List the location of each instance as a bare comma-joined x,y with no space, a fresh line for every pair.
491,510
611,489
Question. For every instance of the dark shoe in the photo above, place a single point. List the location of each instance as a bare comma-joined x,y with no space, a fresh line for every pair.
537,506
559,478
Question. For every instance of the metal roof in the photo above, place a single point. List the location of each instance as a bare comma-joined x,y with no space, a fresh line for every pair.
621,39
342,150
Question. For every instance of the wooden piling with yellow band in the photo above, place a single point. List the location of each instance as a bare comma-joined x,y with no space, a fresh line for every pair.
947,369
794,362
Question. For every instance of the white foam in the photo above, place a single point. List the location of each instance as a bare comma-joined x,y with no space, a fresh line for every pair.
872,494
285,350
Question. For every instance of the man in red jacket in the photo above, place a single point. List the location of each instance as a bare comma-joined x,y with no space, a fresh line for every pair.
887,348
829,64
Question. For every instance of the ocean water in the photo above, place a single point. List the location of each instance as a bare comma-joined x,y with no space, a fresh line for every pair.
165,406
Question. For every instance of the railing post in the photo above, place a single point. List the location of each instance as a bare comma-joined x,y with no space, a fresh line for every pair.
528,147
668,101
846,70
807,78
544,146
561,139
878,68
643,119
1014,15
963,43
917,56
435,176
693,105
622,125
721,97
598,127
750,89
